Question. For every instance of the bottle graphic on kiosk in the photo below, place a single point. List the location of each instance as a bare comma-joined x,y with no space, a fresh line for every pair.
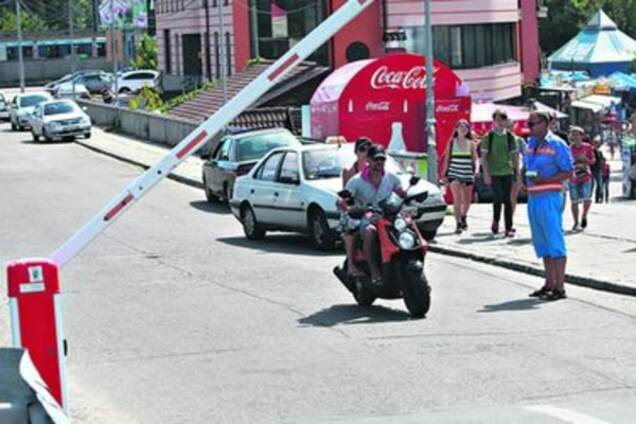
396,144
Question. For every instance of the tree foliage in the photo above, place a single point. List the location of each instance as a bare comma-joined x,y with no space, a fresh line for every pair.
567,17
28,22
145,53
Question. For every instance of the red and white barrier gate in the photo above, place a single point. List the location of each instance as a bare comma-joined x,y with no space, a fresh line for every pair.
36,320
50,361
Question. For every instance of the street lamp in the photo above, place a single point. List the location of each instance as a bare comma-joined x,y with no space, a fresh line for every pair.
430,98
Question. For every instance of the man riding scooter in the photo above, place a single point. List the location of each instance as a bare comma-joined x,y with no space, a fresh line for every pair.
368,188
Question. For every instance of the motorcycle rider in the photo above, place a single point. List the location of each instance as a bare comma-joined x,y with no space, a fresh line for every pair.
368,188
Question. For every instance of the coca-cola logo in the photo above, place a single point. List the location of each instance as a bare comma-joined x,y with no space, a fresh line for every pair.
378,106
413,79
450,108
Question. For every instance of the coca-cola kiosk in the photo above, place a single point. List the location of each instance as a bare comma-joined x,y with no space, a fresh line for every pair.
374,97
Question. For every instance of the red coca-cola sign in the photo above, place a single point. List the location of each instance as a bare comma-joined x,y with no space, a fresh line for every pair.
411,79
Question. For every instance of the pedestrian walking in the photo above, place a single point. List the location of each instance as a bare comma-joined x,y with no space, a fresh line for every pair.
606,179
597,170
458,169
500,162
548,162
581,181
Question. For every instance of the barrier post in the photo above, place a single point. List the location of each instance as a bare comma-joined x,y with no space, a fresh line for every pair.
36,320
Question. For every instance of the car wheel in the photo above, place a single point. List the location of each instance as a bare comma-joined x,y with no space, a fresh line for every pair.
429,235
45,135
87,135
321,234
125,90
36,137
251,228
210,197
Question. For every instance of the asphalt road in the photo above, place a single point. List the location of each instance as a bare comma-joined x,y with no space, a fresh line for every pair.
173,317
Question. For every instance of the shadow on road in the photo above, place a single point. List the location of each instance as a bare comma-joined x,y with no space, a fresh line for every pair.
352,314
513,305
295,244
43,143
219,208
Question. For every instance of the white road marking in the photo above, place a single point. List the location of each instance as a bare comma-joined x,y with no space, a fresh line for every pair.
566,415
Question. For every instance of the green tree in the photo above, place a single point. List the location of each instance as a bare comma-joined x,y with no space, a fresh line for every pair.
567,17
28,21
145,53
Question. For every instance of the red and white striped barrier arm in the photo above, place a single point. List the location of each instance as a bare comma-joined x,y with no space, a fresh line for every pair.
142,185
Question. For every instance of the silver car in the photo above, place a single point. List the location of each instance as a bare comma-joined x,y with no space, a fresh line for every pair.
4,108
59,120
294,189
22,107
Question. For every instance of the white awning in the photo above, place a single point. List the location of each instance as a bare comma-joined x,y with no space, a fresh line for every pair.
596,102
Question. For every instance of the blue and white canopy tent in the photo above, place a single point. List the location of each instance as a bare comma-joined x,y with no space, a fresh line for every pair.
599,49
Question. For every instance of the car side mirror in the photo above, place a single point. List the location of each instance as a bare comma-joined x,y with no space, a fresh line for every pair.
414,180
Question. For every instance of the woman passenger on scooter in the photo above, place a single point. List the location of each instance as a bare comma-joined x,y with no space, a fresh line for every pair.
361,149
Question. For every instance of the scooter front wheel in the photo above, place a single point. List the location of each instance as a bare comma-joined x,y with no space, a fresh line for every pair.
363,296
417,293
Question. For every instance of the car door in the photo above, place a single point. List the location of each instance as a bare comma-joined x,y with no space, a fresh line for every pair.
218,165
261,194
287,201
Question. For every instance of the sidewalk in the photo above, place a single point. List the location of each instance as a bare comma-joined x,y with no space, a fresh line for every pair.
602,257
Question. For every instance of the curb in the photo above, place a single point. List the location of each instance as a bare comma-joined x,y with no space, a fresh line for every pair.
574,279
172,175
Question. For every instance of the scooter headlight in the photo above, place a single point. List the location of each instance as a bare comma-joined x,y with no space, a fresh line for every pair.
406,240
400,225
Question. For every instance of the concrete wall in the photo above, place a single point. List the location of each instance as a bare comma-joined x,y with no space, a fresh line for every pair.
42,71
146,126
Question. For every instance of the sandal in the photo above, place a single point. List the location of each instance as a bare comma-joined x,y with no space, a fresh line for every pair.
555,295
541,292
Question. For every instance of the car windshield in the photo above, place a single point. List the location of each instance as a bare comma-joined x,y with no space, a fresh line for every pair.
58,108
28,101
328,163
255,147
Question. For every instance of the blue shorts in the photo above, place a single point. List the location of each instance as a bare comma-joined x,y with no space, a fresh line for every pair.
581,192
546,224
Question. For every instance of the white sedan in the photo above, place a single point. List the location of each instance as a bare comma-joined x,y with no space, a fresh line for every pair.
294,189
131,82
59,119
22,107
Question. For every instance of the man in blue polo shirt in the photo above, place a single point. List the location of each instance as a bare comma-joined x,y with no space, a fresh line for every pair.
548,162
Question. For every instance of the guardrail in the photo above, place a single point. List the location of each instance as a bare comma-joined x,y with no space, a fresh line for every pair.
161,129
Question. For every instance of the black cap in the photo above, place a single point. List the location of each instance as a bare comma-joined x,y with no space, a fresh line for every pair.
376,152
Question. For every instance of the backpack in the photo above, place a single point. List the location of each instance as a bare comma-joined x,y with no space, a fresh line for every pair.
511,142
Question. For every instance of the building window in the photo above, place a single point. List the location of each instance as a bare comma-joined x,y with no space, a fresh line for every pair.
217,55
228,54
167,52
277,25
467,46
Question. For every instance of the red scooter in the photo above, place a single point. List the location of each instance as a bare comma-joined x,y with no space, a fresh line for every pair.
401,254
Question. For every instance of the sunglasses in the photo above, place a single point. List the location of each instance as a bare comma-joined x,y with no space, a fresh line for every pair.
380,159
531,124
362,149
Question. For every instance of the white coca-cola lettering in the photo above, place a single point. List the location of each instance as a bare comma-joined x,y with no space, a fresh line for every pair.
451,108
413,79
378,106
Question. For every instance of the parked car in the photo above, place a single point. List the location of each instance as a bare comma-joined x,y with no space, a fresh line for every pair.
95,82
294,189
22,107
236,154
69,90
4,108
59,119
51,87
133,81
